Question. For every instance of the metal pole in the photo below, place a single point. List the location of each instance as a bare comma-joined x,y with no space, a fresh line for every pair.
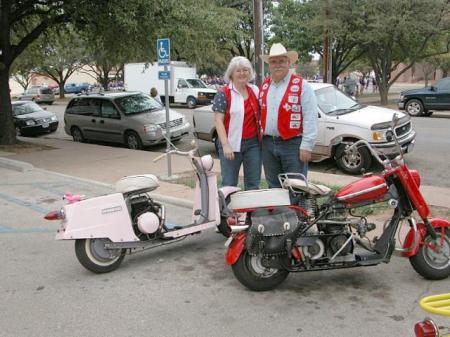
258,33
166,101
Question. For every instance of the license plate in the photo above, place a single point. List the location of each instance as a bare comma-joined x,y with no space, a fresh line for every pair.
45,125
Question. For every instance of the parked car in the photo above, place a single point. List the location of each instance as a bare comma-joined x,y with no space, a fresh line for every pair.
339,116
418,102
38,94
31,119
76,88
132,118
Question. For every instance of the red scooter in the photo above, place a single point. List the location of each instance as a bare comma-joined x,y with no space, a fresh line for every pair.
270,242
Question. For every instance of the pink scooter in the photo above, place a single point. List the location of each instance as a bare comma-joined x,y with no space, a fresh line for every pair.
105,228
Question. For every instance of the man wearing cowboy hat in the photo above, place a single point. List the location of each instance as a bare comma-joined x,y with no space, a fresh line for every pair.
288,117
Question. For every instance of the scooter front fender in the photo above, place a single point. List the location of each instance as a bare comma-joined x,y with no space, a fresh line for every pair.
235,248
422,231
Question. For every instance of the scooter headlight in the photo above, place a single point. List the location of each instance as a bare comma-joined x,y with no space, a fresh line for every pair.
207,162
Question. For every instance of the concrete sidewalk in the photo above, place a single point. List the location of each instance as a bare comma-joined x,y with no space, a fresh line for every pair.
108,164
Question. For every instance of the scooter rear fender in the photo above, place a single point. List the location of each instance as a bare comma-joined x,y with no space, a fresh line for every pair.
101,217
421,233
235,248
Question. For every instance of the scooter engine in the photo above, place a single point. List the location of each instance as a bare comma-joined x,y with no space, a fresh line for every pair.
147,216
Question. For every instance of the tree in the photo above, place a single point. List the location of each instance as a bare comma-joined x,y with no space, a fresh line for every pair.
301,25
63,53
393,35
23,67
22,22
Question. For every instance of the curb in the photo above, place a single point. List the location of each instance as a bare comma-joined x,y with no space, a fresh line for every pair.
159,197
15,165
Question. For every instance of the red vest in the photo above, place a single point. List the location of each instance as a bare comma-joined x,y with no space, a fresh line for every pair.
253,101
290,113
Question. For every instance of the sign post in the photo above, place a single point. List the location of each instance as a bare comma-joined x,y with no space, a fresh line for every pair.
163,52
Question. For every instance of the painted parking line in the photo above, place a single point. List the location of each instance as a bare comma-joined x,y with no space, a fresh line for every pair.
23,203
10,230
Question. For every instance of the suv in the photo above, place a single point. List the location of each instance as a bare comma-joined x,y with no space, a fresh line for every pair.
38,95
340,119
418,102
132,118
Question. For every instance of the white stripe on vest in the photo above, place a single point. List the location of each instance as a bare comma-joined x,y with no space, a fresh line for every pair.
237,116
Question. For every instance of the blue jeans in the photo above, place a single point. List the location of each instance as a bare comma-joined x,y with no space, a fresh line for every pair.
281,156
250,157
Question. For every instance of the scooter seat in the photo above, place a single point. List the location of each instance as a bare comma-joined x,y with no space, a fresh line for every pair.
259,198
138,183
299,185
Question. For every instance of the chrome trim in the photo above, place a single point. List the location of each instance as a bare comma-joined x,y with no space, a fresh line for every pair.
356,194
237,229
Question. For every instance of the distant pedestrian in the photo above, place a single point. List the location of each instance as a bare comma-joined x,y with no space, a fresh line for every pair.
374,85
237,123
154,94
350,86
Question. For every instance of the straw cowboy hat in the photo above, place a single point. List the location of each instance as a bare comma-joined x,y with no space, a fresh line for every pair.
278,49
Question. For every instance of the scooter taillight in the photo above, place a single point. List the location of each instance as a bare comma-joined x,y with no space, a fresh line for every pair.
426,328
55,215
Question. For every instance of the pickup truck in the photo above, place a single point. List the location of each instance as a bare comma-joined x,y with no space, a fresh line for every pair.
418,102
342,121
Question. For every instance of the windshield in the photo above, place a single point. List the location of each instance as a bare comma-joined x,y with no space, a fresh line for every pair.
137,103
334,102
196,83
26,108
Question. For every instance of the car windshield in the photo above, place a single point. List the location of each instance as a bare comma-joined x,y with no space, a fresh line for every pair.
137,103
26,108
196,83
334,102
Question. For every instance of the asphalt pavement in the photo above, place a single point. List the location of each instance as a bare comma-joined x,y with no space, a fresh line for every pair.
184,289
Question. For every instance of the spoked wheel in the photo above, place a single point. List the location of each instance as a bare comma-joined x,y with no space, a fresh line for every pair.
414,107
133,141
354,161
77,135
432,261
250,271
94,257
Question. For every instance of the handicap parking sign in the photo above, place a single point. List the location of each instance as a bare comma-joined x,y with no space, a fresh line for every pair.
163,51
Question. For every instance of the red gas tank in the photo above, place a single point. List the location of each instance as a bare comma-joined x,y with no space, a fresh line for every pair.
364,189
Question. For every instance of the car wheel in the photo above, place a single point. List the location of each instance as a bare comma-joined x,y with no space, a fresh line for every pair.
414,107
355,161
191,102
133,141
77,135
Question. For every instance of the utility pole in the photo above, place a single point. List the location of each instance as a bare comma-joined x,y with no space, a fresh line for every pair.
327,62
258,31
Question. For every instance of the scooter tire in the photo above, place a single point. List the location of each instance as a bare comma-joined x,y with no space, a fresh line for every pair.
223,227
423,264
92,257
251,278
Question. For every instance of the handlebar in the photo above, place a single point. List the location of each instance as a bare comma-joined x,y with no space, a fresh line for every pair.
189,153
354,146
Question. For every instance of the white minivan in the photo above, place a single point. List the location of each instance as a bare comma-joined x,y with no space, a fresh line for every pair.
340,118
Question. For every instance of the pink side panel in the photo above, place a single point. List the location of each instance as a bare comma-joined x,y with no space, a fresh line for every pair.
101,217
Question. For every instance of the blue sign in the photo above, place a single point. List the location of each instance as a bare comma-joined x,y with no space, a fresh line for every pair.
164,75
163,51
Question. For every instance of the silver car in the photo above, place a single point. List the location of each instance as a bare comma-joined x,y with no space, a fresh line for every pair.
38,95
132,118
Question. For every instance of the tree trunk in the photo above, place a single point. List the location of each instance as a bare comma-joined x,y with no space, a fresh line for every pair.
61,89
7,130
384,91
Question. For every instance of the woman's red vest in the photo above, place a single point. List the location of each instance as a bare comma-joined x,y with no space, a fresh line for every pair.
290,114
